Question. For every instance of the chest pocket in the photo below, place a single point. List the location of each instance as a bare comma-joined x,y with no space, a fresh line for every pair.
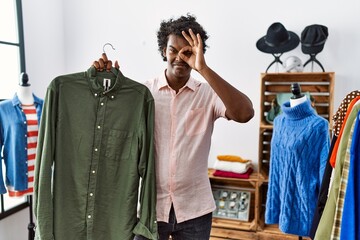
118,145
195,122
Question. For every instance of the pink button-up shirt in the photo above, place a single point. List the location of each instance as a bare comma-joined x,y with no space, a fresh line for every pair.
184,123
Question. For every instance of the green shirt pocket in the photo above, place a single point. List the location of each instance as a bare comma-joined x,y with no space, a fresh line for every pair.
118,145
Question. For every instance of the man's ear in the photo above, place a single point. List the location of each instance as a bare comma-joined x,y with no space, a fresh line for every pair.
164,54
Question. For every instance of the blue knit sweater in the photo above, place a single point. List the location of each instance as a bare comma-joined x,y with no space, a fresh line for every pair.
299,150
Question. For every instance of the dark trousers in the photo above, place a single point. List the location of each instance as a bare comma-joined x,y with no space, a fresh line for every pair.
193,229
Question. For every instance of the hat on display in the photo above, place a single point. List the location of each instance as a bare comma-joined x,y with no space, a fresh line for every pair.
278,40
293,64
313,38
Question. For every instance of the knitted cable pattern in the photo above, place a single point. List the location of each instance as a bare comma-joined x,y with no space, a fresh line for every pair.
299,149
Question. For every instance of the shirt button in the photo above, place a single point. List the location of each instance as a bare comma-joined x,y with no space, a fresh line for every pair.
102,104
99,127
25,135
96,149
95,94
93,171
89,216
24,122
25,148
112,96
91,194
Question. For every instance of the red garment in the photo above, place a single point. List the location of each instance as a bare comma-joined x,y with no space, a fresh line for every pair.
336,146
31,138
246,175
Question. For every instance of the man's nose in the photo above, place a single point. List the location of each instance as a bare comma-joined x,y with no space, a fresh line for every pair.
178,58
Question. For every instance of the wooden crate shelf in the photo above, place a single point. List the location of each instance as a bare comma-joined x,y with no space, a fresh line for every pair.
320,85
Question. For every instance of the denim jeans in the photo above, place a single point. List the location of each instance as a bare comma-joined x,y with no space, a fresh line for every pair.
193,229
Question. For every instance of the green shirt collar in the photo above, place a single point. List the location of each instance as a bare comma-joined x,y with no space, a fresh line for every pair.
93,76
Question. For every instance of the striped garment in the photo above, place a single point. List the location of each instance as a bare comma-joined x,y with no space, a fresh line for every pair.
336,228
32,134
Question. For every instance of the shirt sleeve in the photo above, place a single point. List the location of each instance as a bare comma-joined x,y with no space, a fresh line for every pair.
2,185
272,210
43,204
147,224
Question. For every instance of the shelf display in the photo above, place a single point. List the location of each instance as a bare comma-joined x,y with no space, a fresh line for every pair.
226,224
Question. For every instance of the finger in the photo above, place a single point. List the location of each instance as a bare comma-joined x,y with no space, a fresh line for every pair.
186,49
108,65
188,38
193,37
117,64
101,64
96,65
103,55
199,41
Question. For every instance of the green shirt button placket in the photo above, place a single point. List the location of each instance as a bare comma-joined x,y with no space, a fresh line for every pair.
94,163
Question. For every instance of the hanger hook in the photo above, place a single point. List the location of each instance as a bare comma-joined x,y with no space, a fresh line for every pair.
105,46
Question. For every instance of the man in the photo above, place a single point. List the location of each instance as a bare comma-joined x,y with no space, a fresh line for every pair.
185,112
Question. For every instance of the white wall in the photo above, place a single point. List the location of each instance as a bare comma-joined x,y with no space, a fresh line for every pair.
234,28
64,36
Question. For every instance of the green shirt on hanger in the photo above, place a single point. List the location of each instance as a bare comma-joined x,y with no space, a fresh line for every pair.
95,147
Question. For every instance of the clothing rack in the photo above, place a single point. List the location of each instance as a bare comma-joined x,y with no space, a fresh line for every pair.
24,81
31,225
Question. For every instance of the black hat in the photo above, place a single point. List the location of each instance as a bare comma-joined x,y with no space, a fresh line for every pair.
278,40
313,38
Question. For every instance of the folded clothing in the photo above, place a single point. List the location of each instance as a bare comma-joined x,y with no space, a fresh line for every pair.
235,167
246,175
232,158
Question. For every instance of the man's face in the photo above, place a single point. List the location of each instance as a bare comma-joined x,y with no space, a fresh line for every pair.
177,68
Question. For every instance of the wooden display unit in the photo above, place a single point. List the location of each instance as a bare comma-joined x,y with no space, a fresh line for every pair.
320,85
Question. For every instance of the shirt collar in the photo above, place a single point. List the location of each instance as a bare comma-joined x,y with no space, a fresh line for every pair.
95,86
15,100
191,83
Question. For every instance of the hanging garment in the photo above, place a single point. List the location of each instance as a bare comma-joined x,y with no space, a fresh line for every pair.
351,211
323,193
299,150
326,223
349,109
95,143
339,116
336,228
338,121
13,142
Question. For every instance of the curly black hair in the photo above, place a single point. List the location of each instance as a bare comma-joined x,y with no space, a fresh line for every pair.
176,26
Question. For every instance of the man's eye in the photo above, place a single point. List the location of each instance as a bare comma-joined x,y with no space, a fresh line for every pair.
187,53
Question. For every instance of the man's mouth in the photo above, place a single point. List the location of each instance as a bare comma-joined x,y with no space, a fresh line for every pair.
180,65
